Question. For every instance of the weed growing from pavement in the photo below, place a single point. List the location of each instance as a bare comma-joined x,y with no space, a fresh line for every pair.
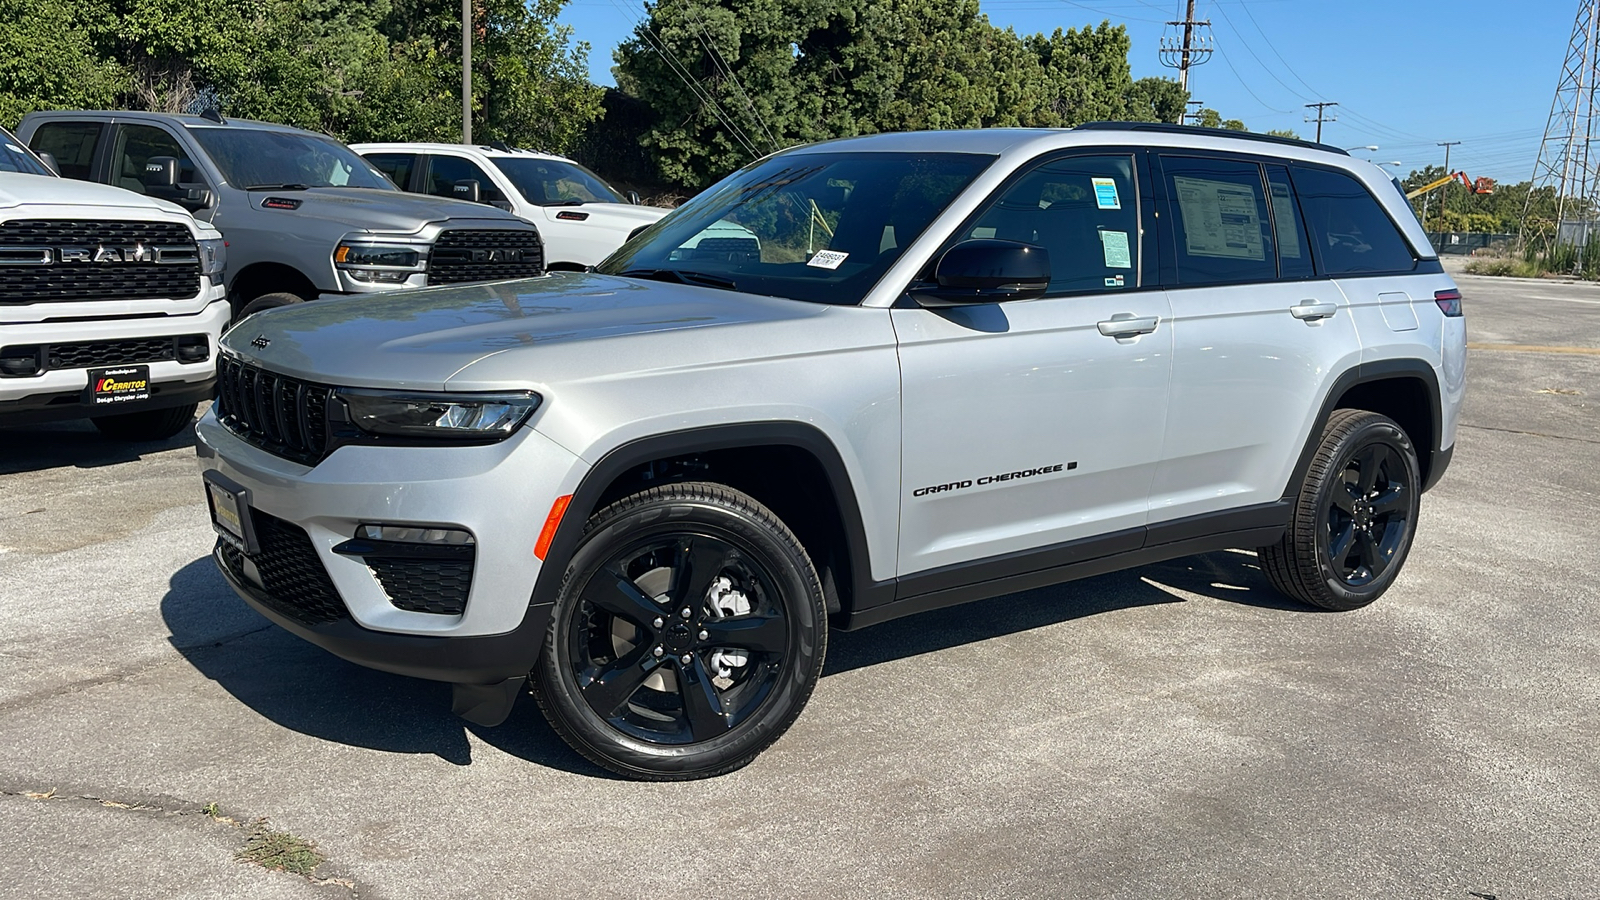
280,851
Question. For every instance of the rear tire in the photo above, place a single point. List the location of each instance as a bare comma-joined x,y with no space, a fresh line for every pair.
265,302
687,637
147,425
1354,518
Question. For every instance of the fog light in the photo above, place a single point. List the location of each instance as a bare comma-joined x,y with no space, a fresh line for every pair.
19,362
193,348
413,534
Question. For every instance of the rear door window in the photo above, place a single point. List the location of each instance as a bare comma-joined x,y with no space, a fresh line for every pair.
1353,233
397,166
445,171
137,145
1220,223
72,144
1084,211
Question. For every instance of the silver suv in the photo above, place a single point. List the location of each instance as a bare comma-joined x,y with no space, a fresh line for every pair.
303,214
852,381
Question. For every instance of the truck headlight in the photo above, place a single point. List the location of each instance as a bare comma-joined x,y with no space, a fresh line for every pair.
376,255
213,257
439,415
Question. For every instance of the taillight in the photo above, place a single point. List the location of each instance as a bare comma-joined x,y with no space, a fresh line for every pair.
1449,302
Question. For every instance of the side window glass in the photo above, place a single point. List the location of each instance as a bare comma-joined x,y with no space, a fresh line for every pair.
1084,211
1294,249
71,143
1353,233
396,167
447,170
135,145
1221,226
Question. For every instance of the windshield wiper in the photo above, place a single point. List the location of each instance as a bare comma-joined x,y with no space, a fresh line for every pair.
681,277
278,187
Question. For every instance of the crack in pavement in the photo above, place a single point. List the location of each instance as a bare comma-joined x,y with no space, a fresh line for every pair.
1559,437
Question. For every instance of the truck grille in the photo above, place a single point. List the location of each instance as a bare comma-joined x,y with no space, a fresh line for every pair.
425,585
294,582
283,416
25,278
460,256
87,354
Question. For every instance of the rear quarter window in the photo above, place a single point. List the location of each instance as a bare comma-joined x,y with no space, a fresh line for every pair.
71,143
1353,233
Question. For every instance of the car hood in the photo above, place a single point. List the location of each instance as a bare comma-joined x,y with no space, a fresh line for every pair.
48,190
388,212
617,215
562,325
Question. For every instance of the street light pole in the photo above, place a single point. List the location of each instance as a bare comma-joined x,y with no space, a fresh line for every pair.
466,71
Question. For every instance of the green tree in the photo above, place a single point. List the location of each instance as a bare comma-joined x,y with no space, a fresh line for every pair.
48,61
1210,118
1284,133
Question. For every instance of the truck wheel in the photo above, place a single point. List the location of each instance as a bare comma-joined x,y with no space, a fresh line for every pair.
267,301
688,634
1354,518
148,425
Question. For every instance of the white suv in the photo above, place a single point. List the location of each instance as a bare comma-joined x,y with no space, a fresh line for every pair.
581,218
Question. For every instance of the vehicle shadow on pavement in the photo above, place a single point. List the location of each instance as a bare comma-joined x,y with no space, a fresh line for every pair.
303,688
306,689
35,448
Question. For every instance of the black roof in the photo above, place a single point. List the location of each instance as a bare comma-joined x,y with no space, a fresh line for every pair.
1170,128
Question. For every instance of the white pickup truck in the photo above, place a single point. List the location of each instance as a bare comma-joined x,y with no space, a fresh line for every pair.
111,303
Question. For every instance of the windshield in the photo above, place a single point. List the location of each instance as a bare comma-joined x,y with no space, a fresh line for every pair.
14,158
551,182
255,157
821,227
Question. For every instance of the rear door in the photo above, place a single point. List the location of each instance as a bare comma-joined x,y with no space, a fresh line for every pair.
76,145
1032,424
397,167
1258,334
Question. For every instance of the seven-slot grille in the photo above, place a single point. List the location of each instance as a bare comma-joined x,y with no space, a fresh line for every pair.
282,415
25,279
459,256
87,354
293,580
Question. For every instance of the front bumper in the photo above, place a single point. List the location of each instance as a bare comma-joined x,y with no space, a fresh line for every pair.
499,493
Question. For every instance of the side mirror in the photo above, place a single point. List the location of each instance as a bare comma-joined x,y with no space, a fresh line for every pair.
467,189
633,197
49,162
161,172
985,271
194,199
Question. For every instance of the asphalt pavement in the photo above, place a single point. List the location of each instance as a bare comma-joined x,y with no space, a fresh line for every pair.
1172,731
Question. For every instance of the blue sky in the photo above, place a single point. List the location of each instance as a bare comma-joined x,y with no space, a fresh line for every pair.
1406,73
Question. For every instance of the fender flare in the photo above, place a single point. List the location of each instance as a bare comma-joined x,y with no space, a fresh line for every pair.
1431,458
585,500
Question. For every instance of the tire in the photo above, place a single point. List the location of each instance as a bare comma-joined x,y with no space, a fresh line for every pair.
1354,518
147,425
736,583
267,301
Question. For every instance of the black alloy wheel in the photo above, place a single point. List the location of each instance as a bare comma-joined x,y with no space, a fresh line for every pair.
1355,517
688,634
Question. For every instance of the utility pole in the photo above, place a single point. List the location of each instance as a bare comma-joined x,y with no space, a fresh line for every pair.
466,71
1183,115
1194,49
1444,192
1322,116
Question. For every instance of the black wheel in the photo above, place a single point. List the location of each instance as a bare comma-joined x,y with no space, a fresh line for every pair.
688,634
147,425
1355,516
267,301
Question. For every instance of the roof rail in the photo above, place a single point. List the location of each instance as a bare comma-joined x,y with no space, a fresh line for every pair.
1170,128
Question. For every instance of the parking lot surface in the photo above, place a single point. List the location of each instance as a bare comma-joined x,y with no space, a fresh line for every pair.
1173,731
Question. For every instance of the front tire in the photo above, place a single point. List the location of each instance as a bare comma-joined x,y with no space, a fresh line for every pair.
266,302
1354,518
147,425
688,634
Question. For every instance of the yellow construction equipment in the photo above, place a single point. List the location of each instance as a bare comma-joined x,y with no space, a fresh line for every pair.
1481,186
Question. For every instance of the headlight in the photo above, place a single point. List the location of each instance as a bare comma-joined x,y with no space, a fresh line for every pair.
447,416
213,257
376,255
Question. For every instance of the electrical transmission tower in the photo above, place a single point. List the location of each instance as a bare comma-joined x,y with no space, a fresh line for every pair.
1194,48
1564,162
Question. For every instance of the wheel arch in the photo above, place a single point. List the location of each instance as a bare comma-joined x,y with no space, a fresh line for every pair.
1405,390
262,278
785,465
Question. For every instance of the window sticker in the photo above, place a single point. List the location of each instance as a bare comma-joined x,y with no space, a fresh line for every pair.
1115,245
827,259
1115,281
1220,218
1105,193
1283,208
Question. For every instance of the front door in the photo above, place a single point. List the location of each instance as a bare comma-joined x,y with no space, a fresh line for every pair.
1036,423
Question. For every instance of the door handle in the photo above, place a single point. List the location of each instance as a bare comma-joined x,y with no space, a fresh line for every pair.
1123,325
1311,310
